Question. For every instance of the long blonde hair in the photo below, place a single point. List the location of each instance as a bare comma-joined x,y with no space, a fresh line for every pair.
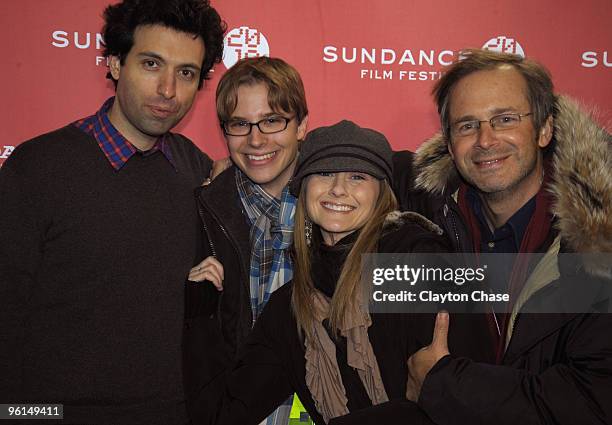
347,287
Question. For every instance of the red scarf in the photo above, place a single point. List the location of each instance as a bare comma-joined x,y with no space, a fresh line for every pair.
535,235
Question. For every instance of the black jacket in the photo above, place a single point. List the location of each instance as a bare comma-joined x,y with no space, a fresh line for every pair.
557,368
271,363
217,323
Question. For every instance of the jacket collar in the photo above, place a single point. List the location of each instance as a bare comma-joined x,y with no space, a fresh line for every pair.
221,199
396,219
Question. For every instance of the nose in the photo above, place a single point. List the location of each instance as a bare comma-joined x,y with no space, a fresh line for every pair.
256,138
167,85
338,188
486,136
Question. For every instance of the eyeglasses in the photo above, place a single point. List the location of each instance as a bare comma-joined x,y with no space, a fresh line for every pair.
268,125
498,123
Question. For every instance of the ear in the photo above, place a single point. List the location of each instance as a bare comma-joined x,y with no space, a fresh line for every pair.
114,66
546,133
301,130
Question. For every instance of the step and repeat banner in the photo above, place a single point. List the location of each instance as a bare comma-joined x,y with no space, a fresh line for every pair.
372,62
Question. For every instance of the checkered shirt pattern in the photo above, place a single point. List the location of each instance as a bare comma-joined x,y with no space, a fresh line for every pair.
271,236
116,148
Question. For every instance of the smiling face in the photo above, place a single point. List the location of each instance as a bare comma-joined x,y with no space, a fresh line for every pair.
156,84
340,203
266,159
498,163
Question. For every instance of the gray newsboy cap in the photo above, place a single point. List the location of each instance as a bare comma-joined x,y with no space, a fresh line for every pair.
343,147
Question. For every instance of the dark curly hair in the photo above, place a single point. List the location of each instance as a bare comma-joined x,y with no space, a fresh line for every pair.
196,17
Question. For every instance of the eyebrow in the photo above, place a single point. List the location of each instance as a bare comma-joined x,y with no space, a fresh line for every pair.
262,117
494,112
161,59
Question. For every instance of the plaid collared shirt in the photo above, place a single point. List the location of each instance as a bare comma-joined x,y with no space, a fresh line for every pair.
117,149
271,236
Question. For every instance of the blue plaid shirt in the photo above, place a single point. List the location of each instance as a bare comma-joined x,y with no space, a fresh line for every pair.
117,149
271,237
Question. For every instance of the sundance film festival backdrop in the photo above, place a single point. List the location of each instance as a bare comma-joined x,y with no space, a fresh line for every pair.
370,61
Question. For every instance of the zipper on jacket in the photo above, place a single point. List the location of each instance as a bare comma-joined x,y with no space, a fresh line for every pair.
453,223
214,253
201,211
446,210
243,272
220,301
505,343
495,318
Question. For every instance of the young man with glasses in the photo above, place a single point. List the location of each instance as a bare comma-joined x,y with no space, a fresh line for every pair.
518,169
248,214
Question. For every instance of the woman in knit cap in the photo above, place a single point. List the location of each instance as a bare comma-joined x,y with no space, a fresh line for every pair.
314,337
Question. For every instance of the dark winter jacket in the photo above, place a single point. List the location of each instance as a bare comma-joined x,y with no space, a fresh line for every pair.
271,363
557,368
217,323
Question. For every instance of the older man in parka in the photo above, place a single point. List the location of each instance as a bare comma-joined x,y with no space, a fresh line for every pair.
517,169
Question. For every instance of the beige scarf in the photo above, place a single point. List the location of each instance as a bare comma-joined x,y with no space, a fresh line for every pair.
322,373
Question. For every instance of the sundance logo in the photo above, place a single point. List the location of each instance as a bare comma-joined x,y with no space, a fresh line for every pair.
593,59
244,42
85,40
391,64
503,44
407,64
79,40
387,56
5,152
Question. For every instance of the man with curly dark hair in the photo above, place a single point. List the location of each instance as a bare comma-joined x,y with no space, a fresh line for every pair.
100,228
194,17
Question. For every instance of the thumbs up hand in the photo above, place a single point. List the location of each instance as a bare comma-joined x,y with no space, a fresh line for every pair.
421,362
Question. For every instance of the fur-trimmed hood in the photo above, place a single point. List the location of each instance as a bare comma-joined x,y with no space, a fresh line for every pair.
581,179
396,219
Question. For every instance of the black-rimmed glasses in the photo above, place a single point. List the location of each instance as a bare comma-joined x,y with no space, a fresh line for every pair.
268,125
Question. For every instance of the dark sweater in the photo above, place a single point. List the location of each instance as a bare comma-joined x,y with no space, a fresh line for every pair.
93,263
